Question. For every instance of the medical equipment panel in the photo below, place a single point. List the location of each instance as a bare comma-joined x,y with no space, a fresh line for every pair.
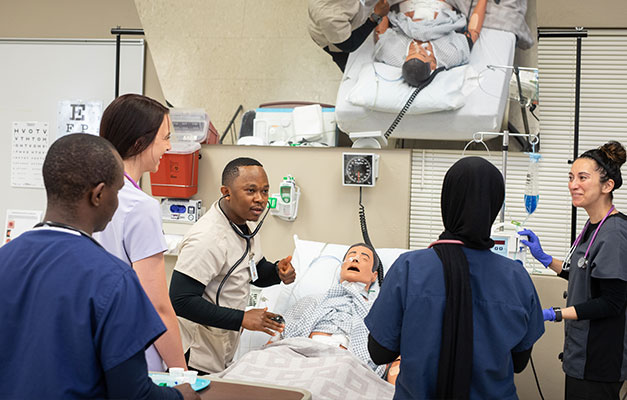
181,210
360,169
300,125
507,243
286,200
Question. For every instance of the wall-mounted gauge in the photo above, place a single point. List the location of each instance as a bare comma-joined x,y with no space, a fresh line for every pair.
360,169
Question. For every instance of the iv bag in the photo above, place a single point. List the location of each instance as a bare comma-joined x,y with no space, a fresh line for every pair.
531,184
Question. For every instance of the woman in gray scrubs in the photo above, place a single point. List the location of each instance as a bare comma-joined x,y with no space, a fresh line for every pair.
595,348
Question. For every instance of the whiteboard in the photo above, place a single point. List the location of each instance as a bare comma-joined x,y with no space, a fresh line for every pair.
37,74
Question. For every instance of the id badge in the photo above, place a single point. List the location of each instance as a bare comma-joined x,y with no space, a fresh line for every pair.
253,269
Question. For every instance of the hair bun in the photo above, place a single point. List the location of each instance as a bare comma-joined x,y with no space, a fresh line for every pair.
615,152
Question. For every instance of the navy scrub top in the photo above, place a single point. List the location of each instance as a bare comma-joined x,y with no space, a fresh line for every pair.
407,318
69,312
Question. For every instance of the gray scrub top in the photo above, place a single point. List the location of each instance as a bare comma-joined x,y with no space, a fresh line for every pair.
607,259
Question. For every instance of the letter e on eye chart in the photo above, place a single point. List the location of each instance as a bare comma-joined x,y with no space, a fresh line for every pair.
29,145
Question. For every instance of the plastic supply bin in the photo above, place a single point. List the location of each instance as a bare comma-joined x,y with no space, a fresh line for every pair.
178,172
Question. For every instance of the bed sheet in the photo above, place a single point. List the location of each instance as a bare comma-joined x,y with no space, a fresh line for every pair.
327,372
483,110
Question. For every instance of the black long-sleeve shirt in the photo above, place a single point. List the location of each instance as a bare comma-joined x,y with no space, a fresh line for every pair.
357,37
129,380
186,296
609,298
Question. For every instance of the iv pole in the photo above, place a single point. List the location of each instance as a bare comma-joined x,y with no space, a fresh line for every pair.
119,32
577,33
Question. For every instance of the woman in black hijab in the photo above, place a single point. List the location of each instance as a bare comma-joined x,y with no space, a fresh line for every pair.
463,318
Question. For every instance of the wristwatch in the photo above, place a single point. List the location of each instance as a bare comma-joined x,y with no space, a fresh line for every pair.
558,314
376,18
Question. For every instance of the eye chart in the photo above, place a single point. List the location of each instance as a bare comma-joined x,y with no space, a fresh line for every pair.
29,146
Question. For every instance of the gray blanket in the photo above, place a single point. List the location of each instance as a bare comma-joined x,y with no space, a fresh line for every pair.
507,15
327,372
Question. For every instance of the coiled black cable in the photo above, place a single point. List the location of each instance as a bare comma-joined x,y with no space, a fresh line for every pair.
410,100
536,376
364,232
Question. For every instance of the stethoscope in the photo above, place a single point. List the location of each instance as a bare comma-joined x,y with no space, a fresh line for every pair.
68,227
246,237
583,261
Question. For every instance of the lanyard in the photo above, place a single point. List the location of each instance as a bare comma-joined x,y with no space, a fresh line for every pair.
67,227
446,241
131,180
583,262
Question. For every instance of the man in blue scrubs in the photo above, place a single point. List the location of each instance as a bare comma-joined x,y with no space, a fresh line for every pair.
75,320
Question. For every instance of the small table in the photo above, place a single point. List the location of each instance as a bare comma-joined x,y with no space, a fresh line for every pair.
231,389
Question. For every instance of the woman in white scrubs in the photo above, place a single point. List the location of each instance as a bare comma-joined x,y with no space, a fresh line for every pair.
139,128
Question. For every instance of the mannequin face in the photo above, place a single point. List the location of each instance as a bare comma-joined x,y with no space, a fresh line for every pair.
423,52
248,195
357,266
151,157
584,184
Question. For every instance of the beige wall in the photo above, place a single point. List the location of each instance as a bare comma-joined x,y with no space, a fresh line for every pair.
589,14
327,211
250,52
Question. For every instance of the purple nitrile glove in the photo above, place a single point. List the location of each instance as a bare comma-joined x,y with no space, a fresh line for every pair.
534,247
548,314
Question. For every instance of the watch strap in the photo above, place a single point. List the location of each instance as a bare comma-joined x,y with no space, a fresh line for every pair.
376,18
558,314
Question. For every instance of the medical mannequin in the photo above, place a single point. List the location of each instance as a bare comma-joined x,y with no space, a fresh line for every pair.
356,268
337,317
75,319
211,322
426,35
341,26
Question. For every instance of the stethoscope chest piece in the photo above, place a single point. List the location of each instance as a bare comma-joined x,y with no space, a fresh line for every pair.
582,262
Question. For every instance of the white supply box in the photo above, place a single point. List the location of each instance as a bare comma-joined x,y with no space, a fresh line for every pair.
310,125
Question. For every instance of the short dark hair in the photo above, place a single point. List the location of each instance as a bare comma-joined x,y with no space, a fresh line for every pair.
375,257
231,170
77,163
131,123
416,72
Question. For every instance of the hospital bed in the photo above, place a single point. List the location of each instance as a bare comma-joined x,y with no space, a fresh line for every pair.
317,267
456,104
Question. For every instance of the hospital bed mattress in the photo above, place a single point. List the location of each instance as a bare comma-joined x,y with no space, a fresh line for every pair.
482,111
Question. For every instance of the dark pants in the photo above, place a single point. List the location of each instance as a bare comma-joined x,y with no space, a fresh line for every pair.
581,389
340,59
194,369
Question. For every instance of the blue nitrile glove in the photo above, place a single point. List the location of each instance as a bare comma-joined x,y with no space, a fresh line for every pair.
534,247
548,314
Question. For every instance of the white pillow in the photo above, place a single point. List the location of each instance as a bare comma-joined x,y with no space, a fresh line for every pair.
381,87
